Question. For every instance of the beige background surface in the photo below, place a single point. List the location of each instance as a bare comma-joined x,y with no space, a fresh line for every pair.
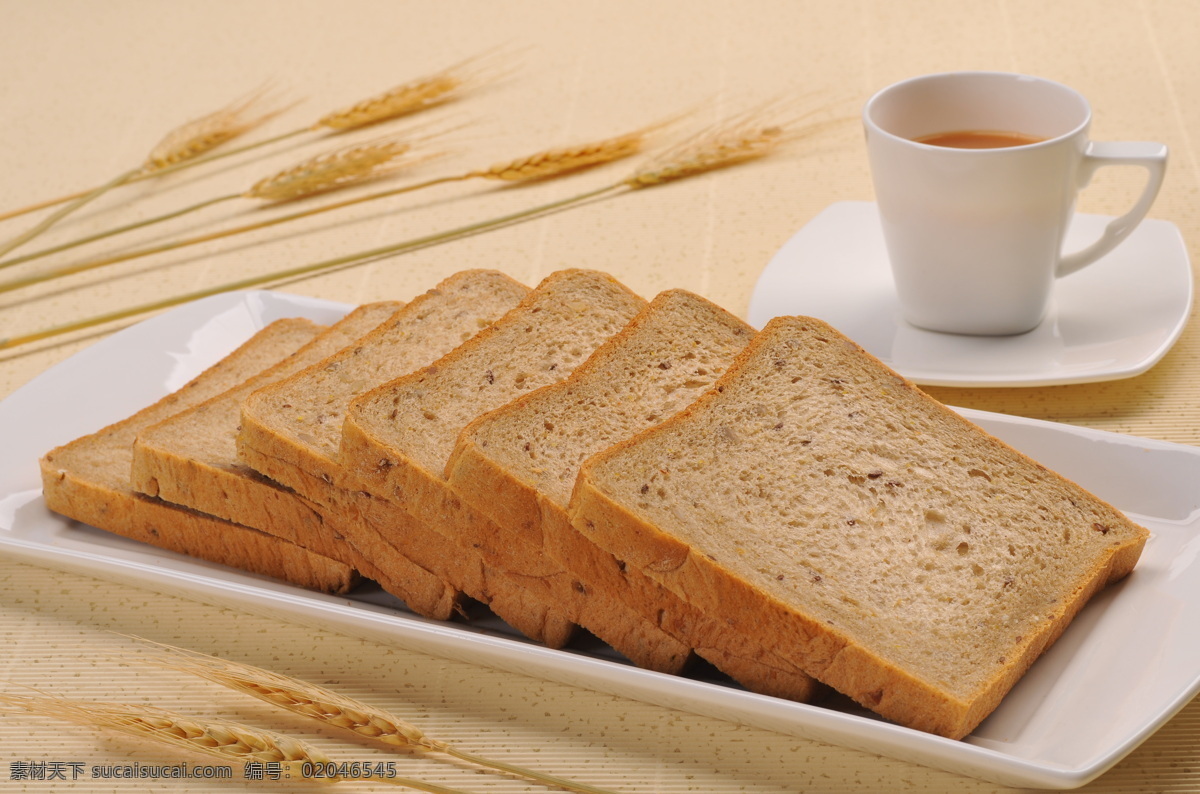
87,88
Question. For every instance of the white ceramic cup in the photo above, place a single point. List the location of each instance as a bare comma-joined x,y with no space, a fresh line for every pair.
975,235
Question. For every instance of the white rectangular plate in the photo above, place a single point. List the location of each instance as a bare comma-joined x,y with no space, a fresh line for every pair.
1127,663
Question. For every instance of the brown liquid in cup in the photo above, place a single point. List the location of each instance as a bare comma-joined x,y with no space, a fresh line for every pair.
978,139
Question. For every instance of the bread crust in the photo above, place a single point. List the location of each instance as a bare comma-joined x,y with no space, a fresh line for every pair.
521,507
391,537
190,458
826,651
88,480
392,471
188,532
394,541
423,506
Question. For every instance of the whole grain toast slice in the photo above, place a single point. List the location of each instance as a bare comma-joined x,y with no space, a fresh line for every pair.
190,459
518,465
399,437
895,550
89,480
290,432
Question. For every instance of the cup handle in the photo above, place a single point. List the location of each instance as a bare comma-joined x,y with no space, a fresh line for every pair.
1152,157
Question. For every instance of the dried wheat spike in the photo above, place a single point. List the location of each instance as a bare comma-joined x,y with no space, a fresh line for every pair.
227,740
330,708
298,696
338,169
411,97
197,137
557,162
749,136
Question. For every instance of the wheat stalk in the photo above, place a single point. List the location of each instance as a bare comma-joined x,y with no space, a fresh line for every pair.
413,96
200,136
541,166
201,153
279,276
551,163
336,170
715,149
229,741
751,135
184,144
333,709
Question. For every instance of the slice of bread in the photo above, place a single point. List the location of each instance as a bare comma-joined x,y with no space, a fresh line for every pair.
817,500
299,420
518,466
89,480
290,432
190,459
398,439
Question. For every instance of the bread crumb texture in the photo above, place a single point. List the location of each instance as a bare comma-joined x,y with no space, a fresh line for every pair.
827,482
307,409
544,339
651,370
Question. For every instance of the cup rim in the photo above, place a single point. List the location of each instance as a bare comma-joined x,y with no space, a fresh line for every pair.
955,152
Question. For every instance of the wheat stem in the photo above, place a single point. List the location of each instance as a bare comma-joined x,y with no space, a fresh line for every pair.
229,741
330,708
412,97
41,205
68,270
322,174
143,174
91,238
184,143
737,141
541,166
91,195
292,273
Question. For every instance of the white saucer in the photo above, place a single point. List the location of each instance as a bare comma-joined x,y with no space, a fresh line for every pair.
1114,319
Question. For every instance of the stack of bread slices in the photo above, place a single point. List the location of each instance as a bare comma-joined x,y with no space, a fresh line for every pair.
779,503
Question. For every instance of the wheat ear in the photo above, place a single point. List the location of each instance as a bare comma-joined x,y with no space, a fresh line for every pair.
229,741
336,170
719,151
541,166
339,711
551,163
183,144
413,96
751,135
200,136
189,137
405,99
